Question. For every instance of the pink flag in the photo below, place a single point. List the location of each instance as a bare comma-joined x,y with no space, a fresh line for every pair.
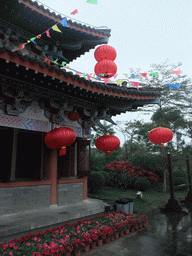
88,76
106,80
47,61
144,74
74,12
38,36
22,46
136,84
78,73
47,32
115,75
178,72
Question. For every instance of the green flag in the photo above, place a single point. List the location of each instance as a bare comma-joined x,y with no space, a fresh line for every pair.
92,1
84,75
63,63
155,73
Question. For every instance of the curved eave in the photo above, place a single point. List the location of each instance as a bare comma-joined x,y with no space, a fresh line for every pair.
76,80
105,33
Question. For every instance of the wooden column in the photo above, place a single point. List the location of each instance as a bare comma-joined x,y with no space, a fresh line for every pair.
85,188
14,152
52,176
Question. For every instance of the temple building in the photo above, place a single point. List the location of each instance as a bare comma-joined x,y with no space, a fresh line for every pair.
37,94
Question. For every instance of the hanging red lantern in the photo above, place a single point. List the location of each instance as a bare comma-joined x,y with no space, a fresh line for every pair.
160,135
107,143
106,67
60,137
105,52
73,115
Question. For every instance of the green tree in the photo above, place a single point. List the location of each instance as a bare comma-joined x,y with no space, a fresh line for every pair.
103,131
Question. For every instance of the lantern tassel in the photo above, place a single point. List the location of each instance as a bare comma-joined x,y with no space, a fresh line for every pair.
161,145
62,151
108,153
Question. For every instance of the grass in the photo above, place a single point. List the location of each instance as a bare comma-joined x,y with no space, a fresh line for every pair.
152,199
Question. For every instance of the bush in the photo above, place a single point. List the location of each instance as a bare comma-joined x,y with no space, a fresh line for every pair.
179,173
179,180
95,182
106,177
128,182
116,179
142,184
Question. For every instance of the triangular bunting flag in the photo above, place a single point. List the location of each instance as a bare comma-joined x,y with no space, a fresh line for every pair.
132,75
92,1
118,82
88,76
78,73
102,75
94,75
55,61
106,80
98,76
55,28
47,33
115,75
155,73
38,36
173,86
125,74
68,66
84,75
64,22
74,12
63,63
136,84
144,74
178,72
47,61
22,46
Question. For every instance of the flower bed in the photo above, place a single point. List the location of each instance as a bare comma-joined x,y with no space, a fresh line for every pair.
134,171
71,237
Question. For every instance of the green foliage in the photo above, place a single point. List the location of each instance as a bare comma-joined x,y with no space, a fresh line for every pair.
142,184
106,176
95,182
179,173
98,159
128,182
144,161
179,180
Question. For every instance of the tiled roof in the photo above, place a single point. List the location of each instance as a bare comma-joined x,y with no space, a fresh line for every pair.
87,27
109,87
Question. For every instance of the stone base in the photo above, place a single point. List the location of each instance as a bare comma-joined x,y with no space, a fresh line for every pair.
173,206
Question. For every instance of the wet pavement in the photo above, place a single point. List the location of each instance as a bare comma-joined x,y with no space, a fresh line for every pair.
165,235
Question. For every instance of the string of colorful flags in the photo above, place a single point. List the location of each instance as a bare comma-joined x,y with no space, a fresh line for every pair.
88,76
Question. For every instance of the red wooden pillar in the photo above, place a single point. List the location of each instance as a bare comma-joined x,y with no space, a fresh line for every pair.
52,176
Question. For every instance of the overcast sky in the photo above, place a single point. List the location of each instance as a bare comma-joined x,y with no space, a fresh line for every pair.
143,32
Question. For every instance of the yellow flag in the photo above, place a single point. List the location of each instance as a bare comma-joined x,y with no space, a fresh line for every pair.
56,28
118,82
68,66
125,74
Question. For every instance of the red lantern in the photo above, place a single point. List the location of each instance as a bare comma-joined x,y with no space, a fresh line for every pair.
106,67
105,52
107,143
160,135
60,137
73,116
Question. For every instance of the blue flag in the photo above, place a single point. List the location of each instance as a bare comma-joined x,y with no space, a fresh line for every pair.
132,75
64,22
173,86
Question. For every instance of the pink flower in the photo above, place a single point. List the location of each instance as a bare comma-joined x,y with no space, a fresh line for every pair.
28,244
10,253
35,238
